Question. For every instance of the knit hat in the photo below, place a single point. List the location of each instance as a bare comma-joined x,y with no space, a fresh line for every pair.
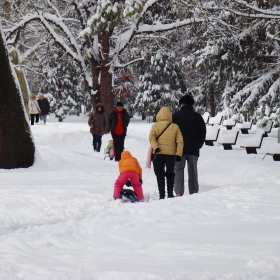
119,104
186,99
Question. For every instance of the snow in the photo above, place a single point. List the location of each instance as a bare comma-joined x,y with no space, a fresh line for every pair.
58,219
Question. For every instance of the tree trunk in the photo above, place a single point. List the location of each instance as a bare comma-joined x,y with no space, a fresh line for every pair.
212,101
103,86
16,146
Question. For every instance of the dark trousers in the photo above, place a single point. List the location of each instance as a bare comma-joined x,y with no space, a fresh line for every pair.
96,142
164,167
34,116
118,141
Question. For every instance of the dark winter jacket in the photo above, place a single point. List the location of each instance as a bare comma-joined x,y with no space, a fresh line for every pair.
192,127
113,119
99,121
44,106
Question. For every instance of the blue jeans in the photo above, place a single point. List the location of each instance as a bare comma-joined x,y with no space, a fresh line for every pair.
43,118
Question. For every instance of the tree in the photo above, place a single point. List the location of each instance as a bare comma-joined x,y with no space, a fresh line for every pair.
107,28
16,146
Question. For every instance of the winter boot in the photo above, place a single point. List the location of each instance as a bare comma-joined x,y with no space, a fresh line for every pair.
94,143
170,186
161,188
98,147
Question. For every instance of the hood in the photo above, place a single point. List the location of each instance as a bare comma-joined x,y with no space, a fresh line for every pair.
97,105
164,114
125,154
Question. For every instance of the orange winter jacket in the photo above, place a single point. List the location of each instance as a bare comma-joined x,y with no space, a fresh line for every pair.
129,163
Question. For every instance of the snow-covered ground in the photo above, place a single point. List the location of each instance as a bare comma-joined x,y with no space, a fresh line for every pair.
58,219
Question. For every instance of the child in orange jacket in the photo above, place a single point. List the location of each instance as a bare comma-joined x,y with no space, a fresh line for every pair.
129,170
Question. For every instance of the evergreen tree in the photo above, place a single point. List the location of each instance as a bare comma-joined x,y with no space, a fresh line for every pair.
16,145
158,84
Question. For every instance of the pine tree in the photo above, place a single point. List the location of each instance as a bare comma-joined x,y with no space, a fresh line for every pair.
159,84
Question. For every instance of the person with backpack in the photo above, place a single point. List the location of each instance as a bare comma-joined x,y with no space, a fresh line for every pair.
167,144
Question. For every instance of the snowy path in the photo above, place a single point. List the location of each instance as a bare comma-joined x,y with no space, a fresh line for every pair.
58,221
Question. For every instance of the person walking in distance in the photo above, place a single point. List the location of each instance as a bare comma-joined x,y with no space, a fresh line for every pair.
98,126
193,129
167,143
118,122
44,106
34,109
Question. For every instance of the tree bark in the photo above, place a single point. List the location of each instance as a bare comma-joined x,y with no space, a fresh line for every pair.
103,86
16,145
212,101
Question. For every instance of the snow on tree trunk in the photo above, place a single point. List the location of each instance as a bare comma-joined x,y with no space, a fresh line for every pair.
16,145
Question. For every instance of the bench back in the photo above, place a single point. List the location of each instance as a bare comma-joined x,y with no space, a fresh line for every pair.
229,136
216,120
246,125
256,140
213,133
268,126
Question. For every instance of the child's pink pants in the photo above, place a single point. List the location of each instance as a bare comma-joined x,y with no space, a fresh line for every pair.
134,179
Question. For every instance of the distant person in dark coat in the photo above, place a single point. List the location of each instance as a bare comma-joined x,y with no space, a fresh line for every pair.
44,106
193,129
118,122
98,126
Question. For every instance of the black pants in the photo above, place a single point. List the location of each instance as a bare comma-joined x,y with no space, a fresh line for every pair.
164,167
118,145
34,116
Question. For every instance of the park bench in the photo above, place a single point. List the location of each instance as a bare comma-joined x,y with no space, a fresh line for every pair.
245,126
216,120
206,117
267,128
212,135
229,138
229,124
253,143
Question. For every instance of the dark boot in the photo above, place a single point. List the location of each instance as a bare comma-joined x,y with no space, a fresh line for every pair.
170,186
98,147
94,143
161,188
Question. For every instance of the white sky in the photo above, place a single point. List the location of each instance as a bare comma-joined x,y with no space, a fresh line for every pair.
58,220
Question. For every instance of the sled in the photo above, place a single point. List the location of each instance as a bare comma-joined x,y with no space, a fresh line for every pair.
110,156
127,195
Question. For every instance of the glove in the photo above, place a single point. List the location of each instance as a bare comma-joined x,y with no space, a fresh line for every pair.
157,150
178,158
141,181
128,183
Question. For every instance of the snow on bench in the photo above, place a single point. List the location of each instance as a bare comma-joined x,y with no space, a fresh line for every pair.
212,135
267,128
253,142
206,117
216,120
229,124
245,126
229,138
274,151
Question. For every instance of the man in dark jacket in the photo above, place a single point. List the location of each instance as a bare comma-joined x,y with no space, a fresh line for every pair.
44,107
118,122
193,129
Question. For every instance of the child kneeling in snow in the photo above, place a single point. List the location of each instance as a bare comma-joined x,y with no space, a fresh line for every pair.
129,170
110,149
